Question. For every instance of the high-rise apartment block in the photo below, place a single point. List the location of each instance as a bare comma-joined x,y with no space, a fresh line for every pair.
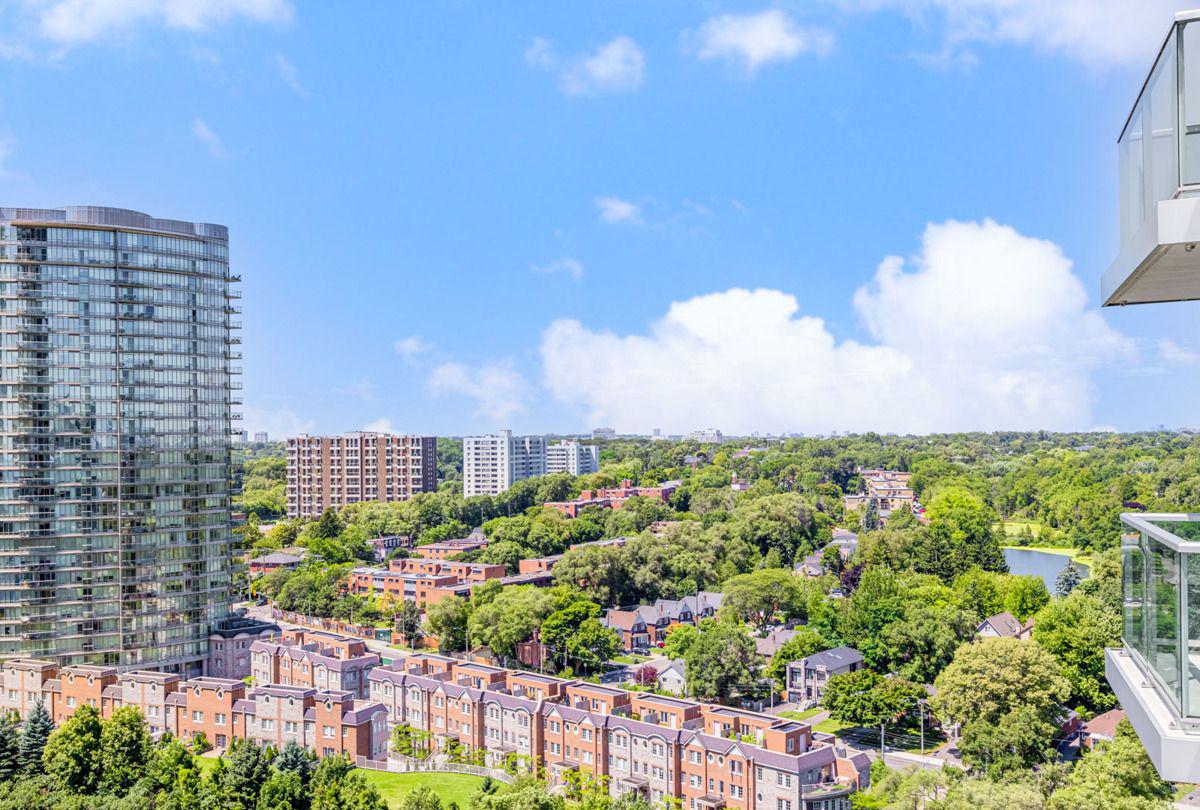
332,471
261,436
492,464
116,342
604,433
573,458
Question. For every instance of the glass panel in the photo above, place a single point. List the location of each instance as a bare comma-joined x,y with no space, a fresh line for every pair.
1132,196
1190,95
1134,593
1164,631
1193,636
1183,529
1162,163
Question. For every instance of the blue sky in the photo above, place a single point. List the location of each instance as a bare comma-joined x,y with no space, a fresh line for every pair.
454,217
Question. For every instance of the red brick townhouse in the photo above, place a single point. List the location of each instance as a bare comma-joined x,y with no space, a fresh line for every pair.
708,757
325,721
314,659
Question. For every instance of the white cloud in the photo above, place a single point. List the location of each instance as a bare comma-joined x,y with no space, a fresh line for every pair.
614,210
987,329
497,389
754,40
74,22
287,72
1172,352
203,133
279,423
617,66
1097,32
565,265
380,425
411,347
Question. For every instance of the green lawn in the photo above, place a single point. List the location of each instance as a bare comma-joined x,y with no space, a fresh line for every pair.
804,715
450,787
831,726
205,764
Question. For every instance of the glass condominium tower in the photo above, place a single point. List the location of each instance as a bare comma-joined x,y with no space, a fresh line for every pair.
116,398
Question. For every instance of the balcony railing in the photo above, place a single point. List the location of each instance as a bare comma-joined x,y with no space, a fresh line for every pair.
1161,605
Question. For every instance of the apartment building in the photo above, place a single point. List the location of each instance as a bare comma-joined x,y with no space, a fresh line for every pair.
572,457
326,721
314,659
117,415
888,490
332,471
426,581
614,497
808,677
706,757
492,464
449,548
229,645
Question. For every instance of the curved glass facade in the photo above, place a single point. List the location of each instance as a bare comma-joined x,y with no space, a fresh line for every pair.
116,397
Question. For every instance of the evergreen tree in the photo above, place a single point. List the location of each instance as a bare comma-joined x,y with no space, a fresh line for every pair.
213,793
186,793
297,759
72,752
283,791
125,748
169,759
34,734
1068,579
870,518
328,527
249,768
10,746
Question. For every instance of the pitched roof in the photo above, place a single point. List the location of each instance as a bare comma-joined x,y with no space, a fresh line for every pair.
834,658
1002,624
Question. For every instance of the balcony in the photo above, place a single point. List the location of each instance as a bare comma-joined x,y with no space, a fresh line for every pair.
1156,674
1159,167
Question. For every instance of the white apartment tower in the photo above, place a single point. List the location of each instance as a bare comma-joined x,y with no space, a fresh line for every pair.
492,464
1155,673
573,458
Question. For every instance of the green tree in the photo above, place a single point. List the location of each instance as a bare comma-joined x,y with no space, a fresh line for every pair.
249,768
922,643
296,759
721,660
757,597
283,790
1116,774
962,535
865,698
72,753
598,571
1025,596
447,620
421,798
510,618
328,527
1075,630
168,759
34,734
408,622
185,791
592,644
125,749
679,640
10,746
336,787
1021,738
1068,579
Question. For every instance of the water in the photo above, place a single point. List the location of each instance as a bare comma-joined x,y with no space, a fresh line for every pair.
1039,563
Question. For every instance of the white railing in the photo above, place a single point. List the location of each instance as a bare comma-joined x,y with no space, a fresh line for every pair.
408,765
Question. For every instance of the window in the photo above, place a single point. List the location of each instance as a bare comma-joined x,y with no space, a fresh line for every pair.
783,804
327,731
197,717
267,725
220,719
587,735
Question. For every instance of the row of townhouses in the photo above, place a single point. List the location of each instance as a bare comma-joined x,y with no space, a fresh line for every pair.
708,757
647,626
326,721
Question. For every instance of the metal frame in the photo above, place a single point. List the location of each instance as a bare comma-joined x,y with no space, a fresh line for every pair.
1142,522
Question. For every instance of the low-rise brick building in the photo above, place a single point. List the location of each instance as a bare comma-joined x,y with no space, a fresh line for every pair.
705,757
310,658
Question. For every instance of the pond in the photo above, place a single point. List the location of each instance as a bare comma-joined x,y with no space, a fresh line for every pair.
1045,564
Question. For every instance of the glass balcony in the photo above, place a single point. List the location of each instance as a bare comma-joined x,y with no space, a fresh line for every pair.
1156,675
1159,173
